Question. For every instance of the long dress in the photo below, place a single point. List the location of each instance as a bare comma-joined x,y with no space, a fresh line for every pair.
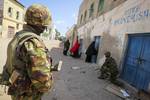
74,50
90,52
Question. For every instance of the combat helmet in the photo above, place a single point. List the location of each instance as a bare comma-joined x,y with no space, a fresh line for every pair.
38,15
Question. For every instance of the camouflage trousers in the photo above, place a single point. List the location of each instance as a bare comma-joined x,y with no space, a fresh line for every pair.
104,72
110,73
27,97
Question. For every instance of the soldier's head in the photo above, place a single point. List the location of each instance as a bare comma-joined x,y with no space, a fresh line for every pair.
107,54
38,16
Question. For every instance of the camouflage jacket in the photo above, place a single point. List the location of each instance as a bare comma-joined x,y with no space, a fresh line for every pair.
110,64
35,54
33,63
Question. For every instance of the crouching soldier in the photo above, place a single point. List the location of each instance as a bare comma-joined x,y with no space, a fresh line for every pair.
109,68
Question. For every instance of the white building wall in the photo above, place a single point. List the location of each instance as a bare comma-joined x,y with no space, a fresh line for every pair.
1,16
114,26
12,21
53,33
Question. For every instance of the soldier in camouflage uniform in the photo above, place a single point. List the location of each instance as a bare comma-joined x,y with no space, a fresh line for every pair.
27,71
109,68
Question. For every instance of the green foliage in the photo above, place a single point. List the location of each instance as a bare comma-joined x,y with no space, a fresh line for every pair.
58,36
62,38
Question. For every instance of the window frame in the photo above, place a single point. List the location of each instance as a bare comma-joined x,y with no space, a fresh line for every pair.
17,15
10,11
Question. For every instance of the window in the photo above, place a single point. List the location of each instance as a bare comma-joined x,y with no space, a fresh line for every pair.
23,17
85,14
17,15
100,5
10,12
81,19
11,31
91,10
17,26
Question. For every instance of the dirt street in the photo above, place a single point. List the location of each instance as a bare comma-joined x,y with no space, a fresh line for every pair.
77,81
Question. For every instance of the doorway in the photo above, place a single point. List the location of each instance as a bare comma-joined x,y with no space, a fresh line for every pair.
11,31
97,43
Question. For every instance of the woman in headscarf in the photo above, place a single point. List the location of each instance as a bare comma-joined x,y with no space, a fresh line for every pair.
90,52
66,47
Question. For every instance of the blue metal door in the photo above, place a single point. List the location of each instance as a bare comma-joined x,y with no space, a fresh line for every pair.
137,62
143,72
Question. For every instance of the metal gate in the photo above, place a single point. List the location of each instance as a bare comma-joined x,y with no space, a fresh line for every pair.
137,62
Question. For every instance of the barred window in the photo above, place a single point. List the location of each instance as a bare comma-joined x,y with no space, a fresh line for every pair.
91,10
100,5
85,14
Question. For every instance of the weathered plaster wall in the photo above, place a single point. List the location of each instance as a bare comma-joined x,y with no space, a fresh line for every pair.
85,6
131,17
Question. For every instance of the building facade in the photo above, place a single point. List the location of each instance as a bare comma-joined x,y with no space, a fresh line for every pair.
90,12
91,9
123,29
71,35
12,17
